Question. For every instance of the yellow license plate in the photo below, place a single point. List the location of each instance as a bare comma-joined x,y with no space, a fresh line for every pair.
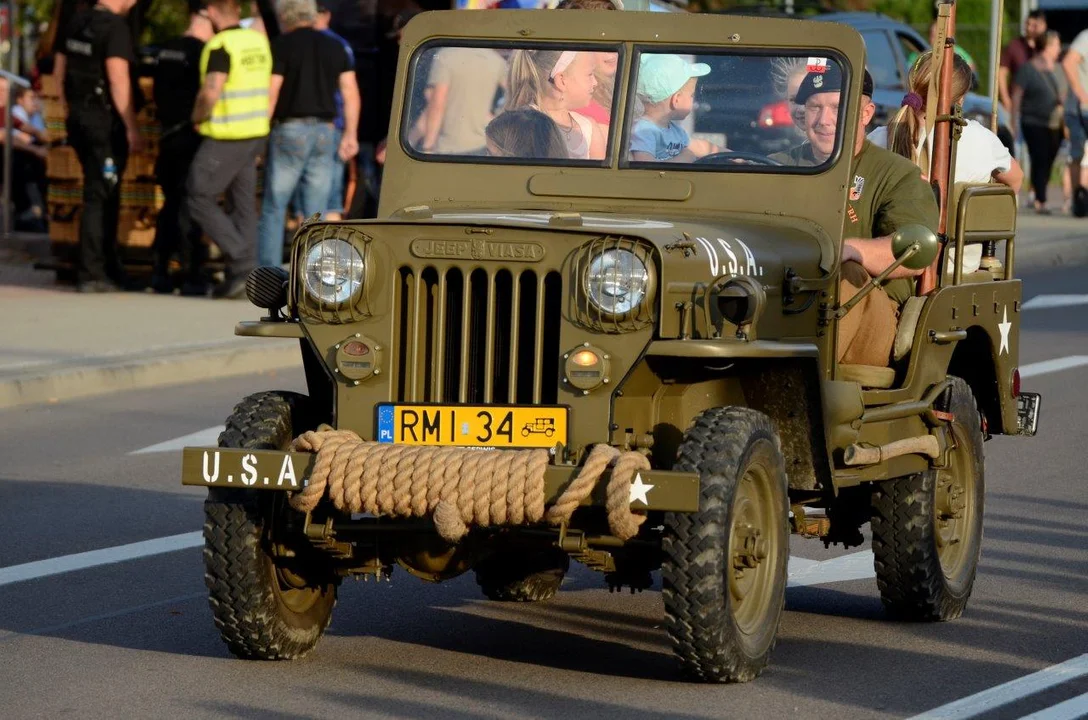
488,426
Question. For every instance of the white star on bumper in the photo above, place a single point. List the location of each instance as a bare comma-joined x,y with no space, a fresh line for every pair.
639,490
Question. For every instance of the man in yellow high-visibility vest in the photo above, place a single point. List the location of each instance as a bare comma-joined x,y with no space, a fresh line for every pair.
232,113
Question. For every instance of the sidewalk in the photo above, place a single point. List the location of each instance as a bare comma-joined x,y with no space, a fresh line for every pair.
56,344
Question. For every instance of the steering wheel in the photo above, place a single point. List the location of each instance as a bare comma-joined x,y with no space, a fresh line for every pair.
729,156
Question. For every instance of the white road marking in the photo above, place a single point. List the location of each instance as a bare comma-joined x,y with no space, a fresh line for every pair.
1050,366
94,558
1069,710
208,436
855,566
1010,692
1045,302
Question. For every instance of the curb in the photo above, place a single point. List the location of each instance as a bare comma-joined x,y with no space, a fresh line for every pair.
1061,251
154,370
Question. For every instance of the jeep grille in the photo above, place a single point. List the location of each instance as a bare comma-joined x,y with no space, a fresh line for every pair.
488,336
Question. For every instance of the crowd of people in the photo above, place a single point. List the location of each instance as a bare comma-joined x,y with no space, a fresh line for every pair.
233,103
1044,88
226,97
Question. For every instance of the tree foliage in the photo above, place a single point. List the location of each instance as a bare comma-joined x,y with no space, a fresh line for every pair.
164,19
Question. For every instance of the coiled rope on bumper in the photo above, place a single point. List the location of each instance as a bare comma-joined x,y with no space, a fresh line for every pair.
459,487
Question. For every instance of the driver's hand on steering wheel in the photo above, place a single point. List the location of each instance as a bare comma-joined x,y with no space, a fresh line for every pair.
700,147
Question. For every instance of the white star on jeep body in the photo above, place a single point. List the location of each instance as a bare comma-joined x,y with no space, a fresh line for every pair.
1004,326
639,490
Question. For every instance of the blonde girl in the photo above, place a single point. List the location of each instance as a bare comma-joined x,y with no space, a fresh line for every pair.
556,82
980,156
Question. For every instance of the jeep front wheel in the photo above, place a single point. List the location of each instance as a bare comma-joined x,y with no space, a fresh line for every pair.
266,607
724,570
927,528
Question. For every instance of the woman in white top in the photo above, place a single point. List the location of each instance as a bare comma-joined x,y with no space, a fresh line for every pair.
554,82
980,156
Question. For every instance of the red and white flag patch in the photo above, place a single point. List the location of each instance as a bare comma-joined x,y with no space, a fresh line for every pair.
816,65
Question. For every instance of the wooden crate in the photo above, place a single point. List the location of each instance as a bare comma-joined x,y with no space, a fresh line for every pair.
49,89
64,193
53,110
63,164
140,166
141,195
64,232
136,228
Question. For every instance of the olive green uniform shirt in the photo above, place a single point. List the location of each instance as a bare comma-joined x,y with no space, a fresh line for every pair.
886,193
800,156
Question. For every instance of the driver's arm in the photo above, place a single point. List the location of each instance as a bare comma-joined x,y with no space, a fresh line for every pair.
908,201
875,255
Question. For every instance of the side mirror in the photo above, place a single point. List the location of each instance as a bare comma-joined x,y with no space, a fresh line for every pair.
916,246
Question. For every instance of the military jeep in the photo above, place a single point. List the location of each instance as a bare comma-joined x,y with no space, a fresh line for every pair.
513,300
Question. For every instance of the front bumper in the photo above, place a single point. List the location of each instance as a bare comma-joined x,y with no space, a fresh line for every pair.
284,471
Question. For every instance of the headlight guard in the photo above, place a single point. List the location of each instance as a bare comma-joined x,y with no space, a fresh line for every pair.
330,274
617,282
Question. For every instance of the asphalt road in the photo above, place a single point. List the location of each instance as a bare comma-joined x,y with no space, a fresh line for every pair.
135,638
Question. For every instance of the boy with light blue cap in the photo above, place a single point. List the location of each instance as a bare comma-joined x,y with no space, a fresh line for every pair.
666,87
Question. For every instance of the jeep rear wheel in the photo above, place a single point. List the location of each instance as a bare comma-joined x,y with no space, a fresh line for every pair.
533,576
266,607
724,570
927,528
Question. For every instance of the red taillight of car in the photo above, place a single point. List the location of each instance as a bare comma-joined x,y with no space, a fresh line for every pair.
775,115
1016,382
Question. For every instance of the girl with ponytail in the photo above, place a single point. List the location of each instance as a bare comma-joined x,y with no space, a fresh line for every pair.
556,82
980,156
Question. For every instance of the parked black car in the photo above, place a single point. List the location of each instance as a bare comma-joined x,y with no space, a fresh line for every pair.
767,124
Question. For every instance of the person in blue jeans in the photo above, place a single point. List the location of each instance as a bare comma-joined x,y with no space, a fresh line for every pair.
308,68
336,192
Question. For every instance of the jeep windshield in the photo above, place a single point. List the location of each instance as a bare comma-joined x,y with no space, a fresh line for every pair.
552,104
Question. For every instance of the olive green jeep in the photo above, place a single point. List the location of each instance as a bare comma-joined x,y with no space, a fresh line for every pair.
568,337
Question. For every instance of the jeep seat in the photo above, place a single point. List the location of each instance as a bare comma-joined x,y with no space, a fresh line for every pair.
873,376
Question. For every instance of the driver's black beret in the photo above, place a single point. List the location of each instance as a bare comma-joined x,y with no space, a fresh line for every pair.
827,78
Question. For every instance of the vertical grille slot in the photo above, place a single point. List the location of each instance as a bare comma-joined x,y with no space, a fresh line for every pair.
485,337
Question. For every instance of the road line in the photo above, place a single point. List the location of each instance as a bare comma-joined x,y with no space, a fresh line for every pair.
94,558
102,616
1069,710
1009,692
207,436
1050,366
855,566
1045,302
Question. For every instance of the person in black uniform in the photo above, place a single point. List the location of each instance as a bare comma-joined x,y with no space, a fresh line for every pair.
93,67
177,82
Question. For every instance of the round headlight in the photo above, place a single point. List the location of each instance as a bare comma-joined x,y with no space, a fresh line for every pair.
334,271
616,281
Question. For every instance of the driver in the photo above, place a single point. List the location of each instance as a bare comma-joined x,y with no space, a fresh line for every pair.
886,193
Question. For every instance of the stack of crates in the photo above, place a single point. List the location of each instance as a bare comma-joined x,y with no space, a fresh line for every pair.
141,199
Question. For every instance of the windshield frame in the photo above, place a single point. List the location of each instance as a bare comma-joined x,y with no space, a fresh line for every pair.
566,45
631,101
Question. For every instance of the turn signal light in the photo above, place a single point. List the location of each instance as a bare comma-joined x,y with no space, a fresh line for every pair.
356,348
585,358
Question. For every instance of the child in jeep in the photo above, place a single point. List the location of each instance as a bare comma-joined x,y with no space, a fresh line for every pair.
666,88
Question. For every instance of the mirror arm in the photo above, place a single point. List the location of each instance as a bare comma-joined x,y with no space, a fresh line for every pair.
876,282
